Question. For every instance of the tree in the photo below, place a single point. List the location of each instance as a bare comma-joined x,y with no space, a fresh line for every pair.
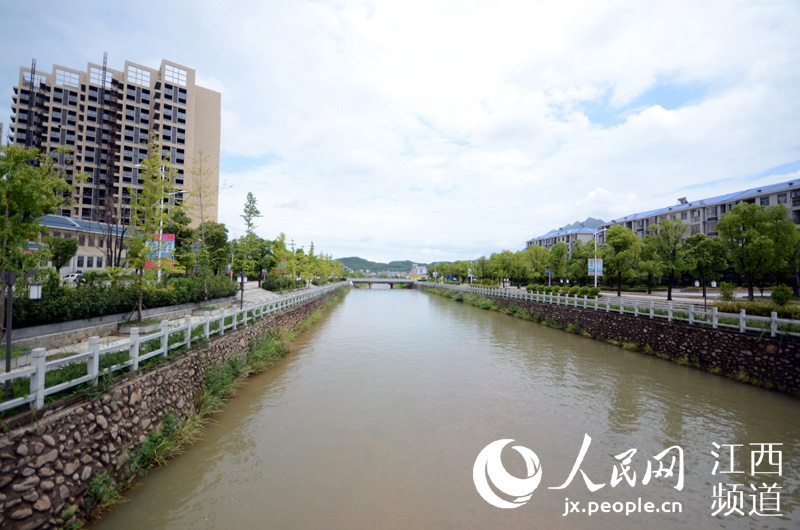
536,257
148,216
668,246
706,258
185,237
203,192
30,186
758,240
250,212
578,262
217,250
620,253
794,262
557,260
649,265
61,250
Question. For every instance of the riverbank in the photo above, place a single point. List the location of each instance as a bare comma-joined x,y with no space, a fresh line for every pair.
771,363
75,460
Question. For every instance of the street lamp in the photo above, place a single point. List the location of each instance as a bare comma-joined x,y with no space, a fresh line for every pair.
34,293
595,252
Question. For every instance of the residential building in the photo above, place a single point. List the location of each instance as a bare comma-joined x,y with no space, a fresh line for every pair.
93,242
107,117
418,272
700,217
584,234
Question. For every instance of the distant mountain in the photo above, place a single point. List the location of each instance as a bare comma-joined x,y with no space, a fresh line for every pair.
590,222
358,264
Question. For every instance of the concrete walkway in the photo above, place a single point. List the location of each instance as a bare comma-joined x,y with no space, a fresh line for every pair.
253,296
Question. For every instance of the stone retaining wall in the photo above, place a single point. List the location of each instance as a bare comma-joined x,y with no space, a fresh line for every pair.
47,465
775,361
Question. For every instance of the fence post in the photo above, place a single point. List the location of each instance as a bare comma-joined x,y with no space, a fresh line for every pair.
207,324
714,321
94,360
691,314
773,324
636,307
621,305
608,306
669,312
652,309
596,302
742,321
164,338
38,361
134,351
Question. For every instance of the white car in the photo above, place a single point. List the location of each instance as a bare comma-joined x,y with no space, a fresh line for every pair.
71,278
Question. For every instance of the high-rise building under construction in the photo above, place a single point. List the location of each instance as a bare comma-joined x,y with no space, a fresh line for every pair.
107,117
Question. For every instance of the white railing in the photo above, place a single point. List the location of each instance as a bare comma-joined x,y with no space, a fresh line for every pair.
668,311
210,325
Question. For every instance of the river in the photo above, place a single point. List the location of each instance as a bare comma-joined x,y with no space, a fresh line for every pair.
377,417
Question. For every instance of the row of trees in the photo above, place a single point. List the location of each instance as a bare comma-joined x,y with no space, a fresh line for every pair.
757,242
31,185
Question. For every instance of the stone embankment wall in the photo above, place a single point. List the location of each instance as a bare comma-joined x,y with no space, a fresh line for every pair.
47,465
767,360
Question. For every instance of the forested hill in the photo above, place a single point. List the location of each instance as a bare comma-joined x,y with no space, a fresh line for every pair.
358,264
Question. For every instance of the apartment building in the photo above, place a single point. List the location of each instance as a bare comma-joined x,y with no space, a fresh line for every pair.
95,248
569,236
106,117
701,216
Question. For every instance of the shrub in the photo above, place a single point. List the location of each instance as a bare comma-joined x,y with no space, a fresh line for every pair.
572,291
583,291
781,295
726,291
594,292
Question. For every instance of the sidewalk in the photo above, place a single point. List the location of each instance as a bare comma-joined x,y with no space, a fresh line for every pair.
253,296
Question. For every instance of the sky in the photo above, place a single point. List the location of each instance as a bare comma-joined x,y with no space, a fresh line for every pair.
444,130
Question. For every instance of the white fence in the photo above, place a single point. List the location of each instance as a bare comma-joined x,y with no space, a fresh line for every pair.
668,311
211,325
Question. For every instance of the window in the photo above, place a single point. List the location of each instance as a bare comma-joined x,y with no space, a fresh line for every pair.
175,75
138,76
764,201
684,216
89,261
91,241
98,77
781,198
81,239
80,261
100,242
99,262
65,78
56,233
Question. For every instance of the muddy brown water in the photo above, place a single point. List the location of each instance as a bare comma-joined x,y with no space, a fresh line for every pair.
378,416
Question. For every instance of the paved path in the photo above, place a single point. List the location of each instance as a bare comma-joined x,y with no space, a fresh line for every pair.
253,296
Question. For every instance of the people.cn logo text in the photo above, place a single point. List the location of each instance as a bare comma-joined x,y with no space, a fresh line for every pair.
489,468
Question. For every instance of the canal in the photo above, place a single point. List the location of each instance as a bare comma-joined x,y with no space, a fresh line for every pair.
377,418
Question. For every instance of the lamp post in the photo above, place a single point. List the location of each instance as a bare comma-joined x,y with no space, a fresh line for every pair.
595,252
34,293
241,283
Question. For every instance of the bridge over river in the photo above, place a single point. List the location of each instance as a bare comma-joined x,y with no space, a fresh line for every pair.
382,281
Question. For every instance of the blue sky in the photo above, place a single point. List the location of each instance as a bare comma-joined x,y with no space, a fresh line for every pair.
442,130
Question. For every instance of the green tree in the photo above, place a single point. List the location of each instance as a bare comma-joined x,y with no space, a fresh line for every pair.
30,186
668,246
578,262
557,260
61,250
217,249
649,264
758,240
251,212
148,216
706,258
620,253
536,257
185,238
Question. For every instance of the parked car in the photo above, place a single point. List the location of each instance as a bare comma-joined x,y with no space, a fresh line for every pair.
71,278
